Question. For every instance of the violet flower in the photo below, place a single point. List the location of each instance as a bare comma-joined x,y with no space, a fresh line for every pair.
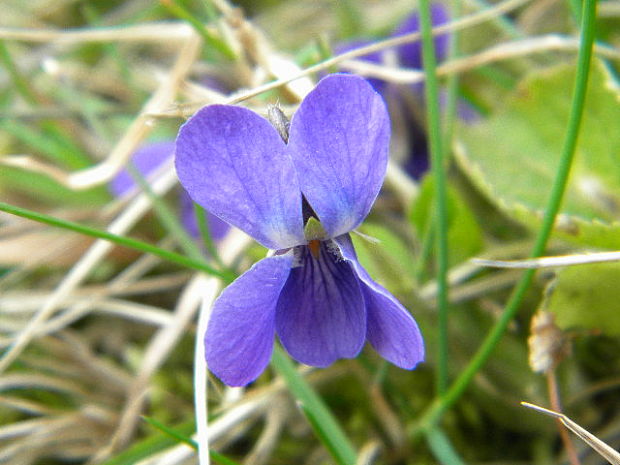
300,197
147,159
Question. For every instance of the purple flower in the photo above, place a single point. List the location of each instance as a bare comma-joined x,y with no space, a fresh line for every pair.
301,198
147,159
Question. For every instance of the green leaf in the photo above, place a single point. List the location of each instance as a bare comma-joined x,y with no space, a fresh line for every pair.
513,155
587,296
464,232
388,257
46,190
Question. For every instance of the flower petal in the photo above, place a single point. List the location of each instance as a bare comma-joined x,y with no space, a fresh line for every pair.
410,55
239,337
339,140
146,159
320,316
233,163
392,331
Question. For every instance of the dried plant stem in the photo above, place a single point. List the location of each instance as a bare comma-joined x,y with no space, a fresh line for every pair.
500,52
83,267
233,245
554,400
161,32
548,262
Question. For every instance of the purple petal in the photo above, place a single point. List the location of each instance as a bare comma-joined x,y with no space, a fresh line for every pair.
239,338
217,227
410,55
146,159
233,163
392,331
320,316
339,141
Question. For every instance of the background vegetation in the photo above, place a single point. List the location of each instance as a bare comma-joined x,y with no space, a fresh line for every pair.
103,298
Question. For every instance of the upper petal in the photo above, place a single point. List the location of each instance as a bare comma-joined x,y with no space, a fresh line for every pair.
392,331
320,315
339,141
239,337
233,163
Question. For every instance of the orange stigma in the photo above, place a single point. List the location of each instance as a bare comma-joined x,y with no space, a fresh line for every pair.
314,246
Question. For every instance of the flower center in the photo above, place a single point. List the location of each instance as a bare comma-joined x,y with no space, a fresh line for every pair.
315,248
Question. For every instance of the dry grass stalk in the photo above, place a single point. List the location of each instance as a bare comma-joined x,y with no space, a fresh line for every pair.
606,451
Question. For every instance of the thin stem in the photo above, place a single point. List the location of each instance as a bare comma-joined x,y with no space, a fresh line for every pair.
556,404
439,176
441,404
211,40
167,218
452,84
205,234
442,448
325,425
120,240
21,84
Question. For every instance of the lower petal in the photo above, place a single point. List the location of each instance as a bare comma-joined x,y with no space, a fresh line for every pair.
320,316
392,331
239,338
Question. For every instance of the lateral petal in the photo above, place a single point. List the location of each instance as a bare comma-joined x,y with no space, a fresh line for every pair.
240,333
339,141
391,329
320,315
233,163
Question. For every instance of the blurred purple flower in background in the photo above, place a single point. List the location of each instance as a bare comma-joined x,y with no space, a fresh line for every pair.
300,197
406,102
147,159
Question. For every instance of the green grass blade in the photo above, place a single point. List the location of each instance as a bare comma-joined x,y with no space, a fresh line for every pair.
168,219
120,240
150,446
173,433
210,39
441,206
442,448
205,234
324,424
441,404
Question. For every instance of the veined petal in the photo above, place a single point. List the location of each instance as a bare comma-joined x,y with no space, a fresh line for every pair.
146,160
233,163
391,330
320,315
240,333
339,141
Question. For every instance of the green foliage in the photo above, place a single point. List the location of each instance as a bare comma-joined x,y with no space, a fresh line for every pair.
587,296
513,155
385,255
464,232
